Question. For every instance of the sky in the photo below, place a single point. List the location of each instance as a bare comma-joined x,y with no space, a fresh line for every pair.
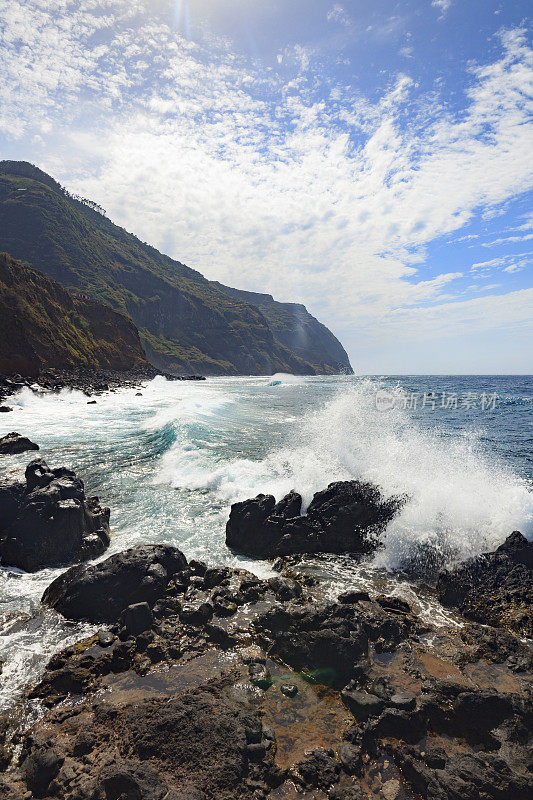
373,160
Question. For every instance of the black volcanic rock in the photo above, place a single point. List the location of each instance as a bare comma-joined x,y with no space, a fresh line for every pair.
48,521
494,588
101,592
348,516
330,641
13,443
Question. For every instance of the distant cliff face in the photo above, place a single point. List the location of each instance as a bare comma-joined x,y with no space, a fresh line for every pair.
298,331
42,325
186,323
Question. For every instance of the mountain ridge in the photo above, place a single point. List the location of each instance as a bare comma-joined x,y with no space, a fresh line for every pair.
186,323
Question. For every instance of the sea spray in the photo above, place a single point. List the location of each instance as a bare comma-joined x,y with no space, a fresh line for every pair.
462,499
170,462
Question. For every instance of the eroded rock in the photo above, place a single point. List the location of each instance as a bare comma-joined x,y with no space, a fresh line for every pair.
494,588
48,521
348,516
100,592
13,443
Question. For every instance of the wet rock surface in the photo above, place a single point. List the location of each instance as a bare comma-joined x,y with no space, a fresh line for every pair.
494,588
47,521
101,592
13,443
348,516
285,698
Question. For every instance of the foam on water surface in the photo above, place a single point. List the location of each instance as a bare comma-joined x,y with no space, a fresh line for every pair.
170,462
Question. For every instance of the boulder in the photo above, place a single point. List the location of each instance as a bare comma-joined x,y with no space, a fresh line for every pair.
13,443
494,588
245,527
348,516
48,521
363,705
101,592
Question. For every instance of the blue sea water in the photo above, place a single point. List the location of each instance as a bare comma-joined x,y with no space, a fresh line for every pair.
170,463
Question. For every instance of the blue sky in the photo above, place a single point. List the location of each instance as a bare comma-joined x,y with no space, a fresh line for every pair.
372,160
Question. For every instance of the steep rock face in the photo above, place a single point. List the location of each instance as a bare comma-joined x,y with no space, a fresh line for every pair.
186,323
42,326
298,330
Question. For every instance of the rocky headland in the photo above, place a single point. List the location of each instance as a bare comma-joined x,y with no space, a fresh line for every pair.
204,682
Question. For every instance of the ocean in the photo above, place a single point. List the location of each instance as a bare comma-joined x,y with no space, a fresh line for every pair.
169,464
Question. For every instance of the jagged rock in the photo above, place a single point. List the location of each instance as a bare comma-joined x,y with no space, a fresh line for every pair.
40,767
518,548
13,443
352,792
330,641
320,769
348,516
197,745
494,588
100,592
196,614
465,776
48,521
137,618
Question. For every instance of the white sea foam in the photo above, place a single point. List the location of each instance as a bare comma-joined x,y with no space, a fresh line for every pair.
229,439
461,500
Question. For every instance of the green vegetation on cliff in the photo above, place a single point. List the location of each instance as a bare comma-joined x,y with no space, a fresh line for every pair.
42,325
186,323
295,328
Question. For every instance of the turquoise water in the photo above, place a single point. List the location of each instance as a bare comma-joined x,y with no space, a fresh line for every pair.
170,463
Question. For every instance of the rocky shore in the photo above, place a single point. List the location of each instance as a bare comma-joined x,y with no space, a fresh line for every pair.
204,683
91,382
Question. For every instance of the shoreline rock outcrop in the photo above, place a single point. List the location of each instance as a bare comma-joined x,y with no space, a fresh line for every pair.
347,517
212,683
13,443
494,588
48,521
101,592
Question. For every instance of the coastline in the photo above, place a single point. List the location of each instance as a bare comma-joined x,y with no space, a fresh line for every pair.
225,685
257,687
90,382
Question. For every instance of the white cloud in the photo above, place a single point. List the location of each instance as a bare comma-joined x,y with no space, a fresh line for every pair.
263,181
509,240
338,14
517,266
442,5
483,265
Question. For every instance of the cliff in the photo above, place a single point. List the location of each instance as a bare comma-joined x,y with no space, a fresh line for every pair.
186,323
43,326
295,328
